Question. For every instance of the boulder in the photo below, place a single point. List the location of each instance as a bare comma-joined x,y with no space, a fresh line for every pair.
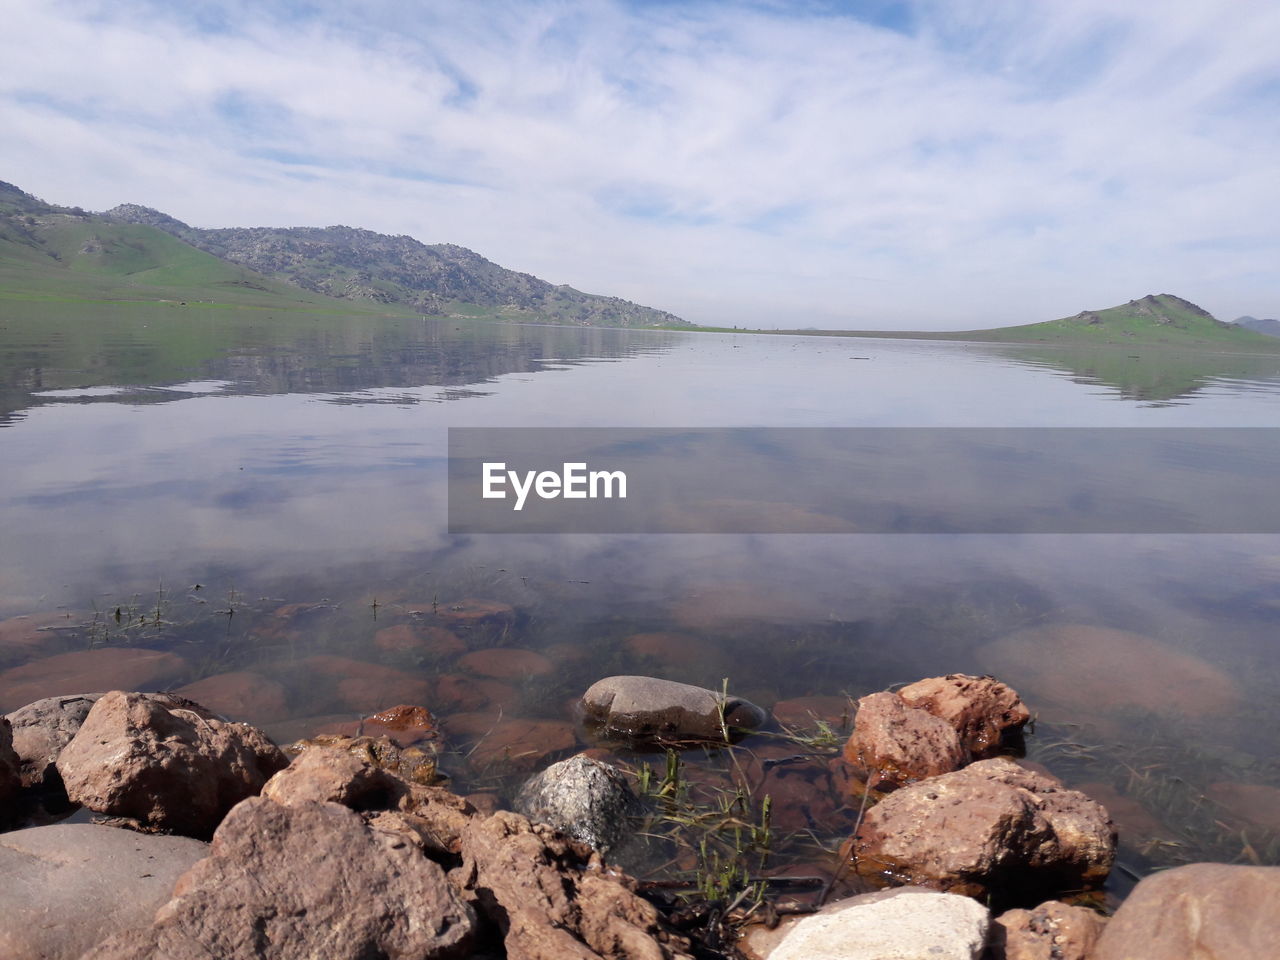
589,800
41,729
506,663
311,880
648,709
429,641
71,885
984,712
166,768
907,924
1205,911
552,898
415,763
110,668
893,744
1052,931
367,686
993,828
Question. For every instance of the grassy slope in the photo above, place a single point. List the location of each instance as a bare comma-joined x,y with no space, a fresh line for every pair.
63,257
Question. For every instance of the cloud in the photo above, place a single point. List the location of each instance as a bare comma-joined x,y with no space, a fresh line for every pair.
938,164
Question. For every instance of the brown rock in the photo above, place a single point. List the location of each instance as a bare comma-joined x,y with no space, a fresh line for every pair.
507,663
403,725
405,638
27,633
113,668
455,693
41,729
486,804
1248,803
1052,931
679,651
1133,820
240,695
311,880
164,768
1083,667
992,827
10,769
474,613
1205,911
649,709
894,744
804,713
983,711
551,897
367,686
522,744
415,763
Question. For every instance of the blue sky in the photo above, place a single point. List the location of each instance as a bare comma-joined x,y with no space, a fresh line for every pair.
878,164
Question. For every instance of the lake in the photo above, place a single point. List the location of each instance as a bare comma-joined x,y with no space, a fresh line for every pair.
266,498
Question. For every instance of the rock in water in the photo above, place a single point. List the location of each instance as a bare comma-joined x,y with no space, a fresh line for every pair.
71,885
589,800
662,711
303,881
168,768
993,827
983,711
898,744
1204,911
1052,931
893,925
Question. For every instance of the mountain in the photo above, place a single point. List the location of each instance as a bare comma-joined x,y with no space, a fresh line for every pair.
353,264
1270,327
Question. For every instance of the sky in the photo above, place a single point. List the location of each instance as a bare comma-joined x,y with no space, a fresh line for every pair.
942,164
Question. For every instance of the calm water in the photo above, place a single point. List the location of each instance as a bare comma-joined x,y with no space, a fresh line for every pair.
252,492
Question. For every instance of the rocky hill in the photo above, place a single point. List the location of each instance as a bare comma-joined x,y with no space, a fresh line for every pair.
441,279
1270,327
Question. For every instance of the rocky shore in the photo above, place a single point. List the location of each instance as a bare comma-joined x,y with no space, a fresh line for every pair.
210,840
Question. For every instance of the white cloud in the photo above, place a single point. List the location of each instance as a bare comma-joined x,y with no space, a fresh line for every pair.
736,164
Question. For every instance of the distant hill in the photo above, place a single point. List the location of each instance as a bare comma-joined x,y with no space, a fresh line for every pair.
135,252
1270,327
441,279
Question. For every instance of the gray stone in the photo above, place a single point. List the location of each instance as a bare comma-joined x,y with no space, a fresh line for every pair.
904,924
584,798
69,886
666,712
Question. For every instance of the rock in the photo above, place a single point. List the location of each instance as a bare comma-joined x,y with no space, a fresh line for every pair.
991,828
552,898
906,924
431,641
415,763
666,712
1133,820
41,729
519,743
27,633
507,663
678,652
1205,911
584,798
71,885
472,613
893,744
166,768
112,668
403,724
10,770
1248,803
240,695
367,686
983,711
456,693
1052,931
311,880
1081,667
804,713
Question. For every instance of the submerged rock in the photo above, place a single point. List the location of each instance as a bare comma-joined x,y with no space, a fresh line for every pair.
71,885
507,663
992,827
311,880
109,668
584,798
1204,911
1052,931
166,768
984,712
648,709
240,695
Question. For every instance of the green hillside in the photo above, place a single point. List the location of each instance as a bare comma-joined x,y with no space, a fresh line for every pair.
51,253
